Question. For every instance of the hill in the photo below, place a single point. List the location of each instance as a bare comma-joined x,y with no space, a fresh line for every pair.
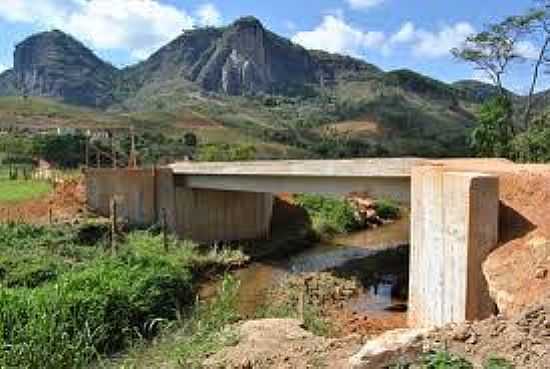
246,83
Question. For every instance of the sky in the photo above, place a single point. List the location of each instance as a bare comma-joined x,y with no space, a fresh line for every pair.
413,34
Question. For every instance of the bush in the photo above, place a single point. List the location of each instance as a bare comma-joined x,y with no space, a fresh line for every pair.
329,214
387,209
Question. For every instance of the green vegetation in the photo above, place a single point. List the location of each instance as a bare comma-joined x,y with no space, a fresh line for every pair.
22,190
444,360
509,126
497,363
387,209
64,304
329,215
226,152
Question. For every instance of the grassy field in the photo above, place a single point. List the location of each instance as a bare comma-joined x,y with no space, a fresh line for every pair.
16,191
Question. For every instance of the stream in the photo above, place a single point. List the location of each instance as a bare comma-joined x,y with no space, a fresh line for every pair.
353,255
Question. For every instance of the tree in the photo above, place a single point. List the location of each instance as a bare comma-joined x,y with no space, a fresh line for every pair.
492,136
493,50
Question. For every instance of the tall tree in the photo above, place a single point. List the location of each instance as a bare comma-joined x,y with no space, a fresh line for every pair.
495,49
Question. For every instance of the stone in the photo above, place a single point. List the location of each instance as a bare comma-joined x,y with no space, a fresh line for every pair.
541,273
392,346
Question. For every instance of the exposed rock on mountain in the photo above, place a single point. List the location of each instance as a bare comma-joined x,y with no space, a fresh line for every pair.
243,58
53,64
7,83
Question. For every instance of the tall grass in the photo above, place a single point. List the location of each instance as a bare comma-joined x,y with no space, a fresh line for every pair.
95,304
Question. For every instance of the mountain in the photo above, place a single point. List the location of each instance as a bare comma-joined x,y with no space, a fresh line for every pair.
53,64
241,59
243,81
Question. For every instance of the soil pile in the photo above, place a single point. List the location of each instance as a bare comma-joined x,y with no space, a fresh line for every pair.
523,341
283,344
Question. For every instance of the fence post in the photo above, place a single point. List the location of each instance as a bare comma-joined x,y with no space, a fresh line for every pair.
113,211
164,229
50,215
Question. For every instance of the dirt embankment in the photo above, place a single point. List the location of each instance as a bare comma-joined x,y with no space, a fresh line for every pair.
518,270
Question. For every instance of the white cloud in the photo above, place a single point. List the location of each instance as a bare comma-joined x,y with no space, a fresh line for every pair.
364,4
431,44
527,50
138,26
336,36
405,34
3,68
438,44
209,15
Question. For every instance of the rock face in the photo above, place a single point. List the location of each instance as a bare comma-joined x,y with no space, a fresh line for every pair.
243,58
7,83
53,64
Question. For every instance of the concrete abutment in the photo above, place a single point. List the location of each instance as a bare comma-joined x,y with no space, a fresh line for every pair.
454,226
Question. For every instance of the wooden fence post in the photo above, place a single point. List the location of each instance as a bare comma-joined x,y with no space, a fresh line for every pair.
113,211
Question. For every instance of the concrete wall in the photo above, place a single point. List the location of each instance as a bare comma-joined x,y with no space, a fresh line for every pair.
454,226
200,215
134,191
207,215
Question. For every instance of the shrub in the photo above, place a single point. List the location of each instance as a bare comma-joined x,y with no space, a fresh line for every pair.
329,214
386,209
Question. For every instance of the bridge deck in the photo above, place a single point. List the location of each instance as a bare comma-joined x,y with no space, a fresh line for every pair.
373,168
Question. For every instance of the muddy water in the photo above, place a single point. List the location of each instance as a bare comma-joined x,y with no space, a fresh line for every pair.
349,255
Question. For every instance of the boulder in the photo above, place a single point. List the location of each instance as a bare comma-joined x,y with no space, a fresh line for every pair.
398,346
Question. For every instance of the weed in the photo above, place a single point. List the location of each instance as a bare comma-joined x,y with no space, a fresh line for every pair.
497,363
444,360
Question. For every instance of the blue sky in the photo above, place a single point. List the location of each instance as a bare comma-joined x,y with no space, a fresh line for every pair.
414,34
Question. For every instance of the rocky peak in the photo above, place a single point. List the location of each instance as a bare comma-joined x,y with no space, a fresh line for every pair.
54,64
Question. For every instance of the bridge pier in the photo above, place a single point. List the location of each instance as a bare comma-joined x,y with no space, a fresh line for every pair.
454,226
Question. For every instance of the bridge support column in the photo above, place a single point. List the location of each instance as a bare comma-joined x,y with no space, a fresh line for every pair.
454,226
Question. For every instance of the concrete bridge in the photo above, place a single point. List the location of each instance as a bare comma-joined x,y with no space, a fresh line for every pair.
454,213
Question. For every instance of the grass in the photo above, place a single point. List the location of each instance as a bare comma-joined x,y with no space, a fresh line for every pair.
17,191
64,302
188,342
